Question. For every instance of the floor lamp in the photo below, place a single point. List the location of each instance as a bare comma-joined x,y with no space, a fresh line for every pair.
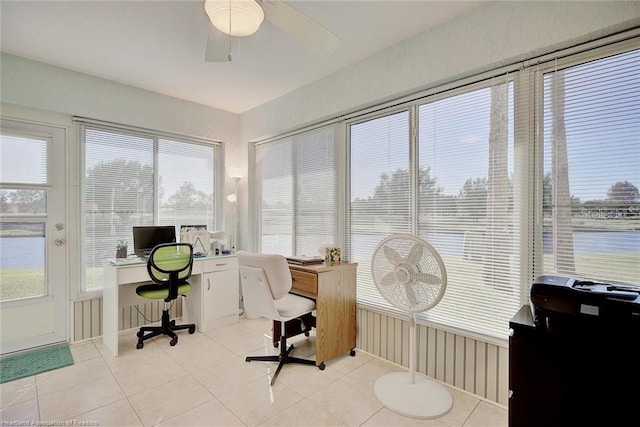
235,173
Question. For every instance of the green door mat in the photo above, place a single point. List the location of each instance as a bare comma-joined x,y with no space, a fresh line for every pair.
34,362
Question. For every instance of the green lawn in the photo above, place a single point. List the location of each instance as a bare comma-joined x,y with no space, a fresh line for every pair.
21,283
18,283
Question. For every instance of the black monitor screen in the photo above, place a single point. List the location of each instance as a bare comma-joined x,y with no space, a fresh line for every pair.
146,238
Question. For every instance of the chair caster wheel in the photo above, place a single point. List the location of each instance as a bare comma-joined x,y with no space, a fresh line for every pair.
352,353
321,366
174,341
139,345
192,329
306,333
276,344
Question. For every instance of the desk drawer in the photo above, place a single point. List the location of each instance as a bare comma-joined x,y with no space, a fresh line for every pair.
305,282
219,264
133,274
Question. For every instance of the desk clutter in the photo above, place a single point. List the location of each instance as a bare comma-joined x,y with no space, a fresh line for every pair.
198,236
305,260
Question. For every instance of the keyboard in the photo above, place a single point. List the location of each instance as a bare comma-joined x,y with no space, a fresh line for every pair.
127,261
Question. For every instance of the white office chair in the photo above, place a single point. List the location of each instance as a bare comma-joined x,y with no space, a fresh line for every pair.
266,281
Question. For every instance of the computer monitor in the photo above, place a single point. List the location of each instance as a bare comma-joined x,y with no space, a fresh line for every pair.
145,238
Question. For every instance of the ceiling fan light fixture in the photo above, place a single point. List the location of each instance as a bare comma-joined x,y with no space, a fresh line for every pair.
237,18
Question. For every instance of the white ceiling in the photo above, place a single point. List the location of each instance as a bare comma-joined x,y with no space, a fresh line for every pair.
160,45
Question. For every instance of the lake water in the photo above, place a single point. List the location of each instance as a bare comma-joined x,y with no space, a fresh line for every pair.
21,252
28,252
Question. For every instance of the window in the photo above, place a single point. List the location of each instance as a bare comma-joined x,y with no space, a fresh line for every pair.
466,206
134,177
295,181
24,182
591,199
380,192
415,184
533,172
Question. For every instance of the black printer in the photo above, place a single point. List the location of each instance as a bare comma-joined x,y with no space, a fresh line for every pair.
584,302
573,353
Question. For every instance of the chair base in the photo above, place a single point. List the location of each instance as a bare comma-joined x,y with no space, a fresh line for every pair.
167,327
283,358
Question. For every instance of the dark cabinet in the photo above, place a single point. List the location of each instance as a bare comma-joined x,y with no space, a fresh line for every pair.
573,370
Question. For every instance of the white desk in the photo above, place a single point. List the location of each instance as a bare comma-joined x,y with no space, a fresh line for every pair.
212,301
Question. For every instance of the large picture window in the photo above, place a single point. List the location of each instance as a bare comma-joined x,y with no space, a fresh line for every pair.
136,178
449,183
533,171
591,198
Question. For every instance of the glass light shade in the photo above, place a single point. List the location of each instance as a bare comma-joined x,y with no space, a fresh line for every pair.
234,172
235,17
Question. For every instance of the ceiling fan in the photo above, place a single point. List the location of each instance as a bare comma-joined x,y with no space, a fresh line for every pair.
240,18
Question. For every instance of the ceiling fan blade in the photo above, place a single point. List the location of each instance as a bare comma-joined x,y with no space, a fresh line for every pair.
300,26
218,46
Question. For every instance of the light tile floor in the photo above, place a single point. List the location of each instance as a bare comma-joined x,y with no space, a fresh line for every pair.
204,381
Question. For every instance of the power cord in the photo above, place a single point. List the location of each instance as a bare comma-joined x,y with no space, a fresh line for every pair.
152,321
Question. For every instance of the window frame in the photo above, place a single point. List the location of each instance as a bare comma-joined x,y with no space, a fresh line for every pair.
218,178
542,69
255,190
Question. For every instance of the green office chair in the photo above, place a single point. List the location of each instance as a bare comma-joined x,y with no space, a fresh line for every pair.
169,266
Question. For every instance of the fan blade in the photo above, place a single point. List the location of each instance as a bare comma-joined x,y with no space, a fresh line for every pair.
391,254
218,46
415,254
388,279
428,278
300,26
411,295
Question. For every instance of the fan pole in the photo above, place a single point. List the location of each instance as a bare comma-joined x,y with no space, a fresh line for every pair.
412,347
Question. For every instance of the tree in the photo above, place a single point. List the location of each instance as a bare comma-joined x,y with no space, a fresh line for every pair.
623,192
496,263
113,192
31,201
187,196
4,201
392,196
473,196
564,259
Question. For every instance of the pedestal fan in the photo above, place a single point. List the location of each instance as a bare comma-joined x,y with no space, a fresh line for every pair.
410,275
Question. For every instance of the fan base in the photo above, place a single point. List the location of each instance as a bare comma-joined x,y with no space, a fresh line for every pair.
425,398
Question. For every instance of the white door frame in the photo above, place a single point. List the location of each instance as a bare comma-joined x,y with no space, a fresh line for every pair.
34,322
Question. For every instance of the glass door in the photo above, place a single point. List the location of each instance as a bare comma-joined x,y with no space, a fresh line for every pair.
33,254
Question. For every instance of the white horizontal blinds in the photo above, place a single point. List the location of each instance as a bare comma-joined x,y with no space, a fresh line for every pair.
14,149
118,191
380,197
274,179
591,200
186,183
465,205
136,178
315,189
296,176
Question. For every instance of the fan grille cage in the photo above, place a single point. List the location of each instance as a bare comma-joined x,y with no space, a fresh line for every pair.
408,272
